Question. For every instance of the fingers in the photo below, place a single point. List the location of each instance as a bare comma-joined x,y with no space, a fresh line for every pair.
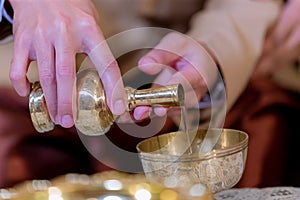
284,26
100,54
111,77
19,66
141,112
46,69
183,55
166,53
189,78
193,84
156,60
184,61
284,55
65,78
55,43
281,47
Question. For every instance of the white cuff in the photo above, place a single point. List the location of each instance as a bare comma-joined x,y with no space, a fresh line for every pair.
1,8
4,13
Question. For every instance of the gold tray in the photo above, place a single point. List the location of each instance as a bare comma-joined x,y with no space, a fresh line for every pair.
109,185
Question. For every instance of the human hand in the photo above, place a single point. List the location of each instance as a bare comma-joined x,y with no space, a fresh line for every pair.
52,32
179,59
282,45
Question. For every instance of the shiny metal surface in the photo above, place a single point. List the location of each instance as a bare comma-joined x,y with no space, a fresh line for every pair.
168,159
91,113
38,110
170,95
109,185
93,116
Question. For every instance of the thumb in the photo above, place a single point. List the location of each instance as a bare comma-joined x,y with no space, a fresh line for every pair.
165,53
157,59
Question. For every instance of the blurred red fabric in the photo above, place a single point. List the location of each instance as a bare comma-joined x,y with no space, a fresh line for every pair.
26,154
269,114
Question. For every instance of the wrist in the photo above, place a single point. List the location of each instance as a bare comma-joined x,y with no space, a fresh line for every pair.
210,53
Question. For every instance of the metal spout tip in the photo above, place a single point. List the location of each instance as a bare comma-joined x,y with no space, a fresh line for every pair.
180,93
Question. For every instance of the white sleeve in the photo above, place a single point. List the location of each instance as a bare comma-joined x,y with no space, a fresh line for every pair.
3,12
234,31
1,9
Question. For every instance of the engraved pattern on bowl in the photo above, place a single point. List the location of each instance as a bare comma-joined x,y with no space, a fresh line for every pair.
219,169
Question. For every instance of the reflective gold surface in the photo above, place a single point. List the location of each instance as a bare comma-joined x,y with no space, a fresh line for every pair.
93,116
91,113
170,95
168,159
110,185
38,110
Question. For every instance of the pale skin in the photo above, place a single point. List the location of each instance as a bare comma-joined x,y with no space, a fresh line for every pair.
282,45
185,61
52,32
57,30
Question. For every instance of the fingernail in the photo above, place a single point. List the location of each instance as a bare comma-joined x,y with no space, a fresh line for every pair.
141,115
67,121
119,107
160,111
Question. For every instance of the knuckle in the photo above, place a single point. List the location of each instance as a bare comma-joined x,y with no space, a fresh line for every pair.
62,24
16,76
46,75
66,103
22,39
65,71
41,32
88,22
64,106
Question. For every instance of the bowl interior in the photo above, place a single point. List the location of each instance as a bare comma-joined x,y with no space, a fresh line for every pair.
222,141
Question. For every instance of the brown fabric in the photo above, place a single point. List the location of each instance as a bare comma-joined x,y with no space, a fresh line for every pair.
268,114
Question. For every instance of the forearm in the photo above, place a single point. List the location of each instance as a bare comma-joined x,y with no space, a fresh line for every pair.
234,31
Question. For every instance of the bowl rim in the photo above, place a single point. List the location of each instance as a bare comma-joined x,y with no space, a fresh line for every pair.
215,153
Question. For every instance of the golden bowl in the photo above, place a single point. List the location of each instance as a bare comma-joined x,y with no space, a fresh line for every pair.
170,159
